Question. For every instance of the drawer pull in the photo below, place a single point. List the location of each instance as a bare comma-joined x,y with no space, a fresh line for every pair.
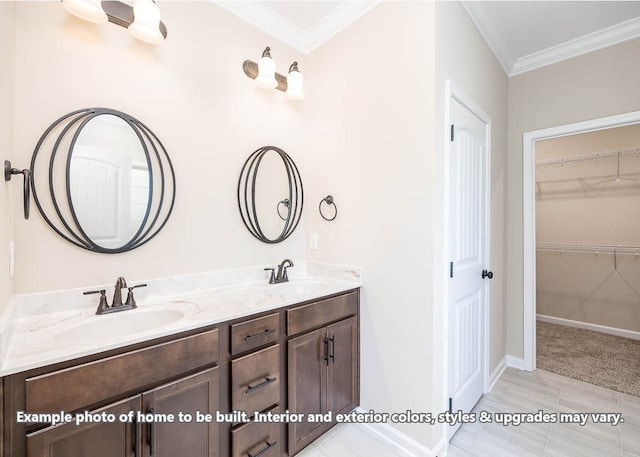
136,437
266,382
326,351
150,434
269,446
332,352
258,335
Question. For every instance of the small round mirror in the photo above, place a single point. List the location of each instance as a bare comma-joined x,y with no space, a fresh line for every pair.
270,194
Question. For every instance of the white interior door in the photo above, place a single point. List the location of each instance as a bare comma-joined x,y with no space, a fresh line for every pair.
468,255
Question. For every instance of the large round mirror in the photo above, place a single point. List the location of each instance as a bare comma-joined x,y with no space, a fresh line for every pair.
110,181
270,194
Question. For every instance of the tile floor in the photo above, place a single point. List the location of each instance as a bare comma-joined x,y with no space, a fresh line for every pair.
517,392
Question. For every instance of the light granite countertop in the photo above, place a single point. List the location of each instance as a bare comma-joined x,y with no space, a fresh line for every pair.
41,329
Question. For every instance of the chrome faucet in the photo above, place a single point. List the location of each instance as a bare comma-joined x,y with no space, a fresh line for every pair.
116,305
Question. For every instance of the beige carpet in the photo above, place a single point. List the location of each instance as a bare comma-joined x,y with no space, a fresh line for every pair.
597,358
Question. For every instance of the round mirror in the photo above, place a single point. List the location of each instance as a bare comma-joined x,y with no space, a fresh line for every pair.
110,180
270,195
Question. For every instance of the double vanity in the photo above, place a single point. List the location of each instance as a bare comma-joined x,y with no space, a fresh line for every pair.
217,364
237,363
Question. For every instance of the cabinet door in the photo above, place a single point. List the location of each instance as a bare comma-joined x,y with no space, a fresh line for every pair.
98,439
307,376
181,439
342,377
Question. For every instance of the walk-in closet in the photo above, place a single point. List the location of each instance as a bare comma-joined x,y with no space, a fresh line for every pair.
588,257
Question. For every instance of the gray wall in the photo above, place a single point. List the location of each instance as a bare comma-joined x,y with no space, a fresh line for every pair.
591,86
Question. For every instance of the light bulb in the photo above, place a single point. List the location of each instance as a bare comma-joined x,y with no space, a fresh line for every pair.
146,22
295,82
266,71
89,10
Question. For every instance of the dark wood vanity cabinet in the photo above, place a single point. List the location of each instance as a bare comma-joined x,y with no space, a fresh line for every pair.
141,438
99,439
301,358
197,394
256,385
171,377
323,369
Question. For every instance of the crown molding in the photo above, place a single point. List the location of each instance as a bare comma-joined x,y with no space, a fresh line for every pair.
304,41
492,37
337,20
610,36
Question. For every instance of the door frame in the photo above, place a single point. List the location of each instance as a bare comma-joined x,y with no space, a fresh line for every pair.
453,92
529,214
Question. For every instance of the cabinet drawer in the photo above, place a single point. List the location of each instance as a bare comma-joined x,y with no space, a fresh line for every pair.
255,380
256,439
77,387
254,333
317,314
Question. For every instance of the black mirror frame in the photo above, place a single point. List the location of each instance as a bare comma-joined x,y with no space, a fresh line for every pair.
247,195
78,119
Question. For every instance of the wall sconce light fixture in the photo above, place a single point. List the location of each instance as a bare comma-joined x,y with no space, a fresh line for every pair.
142,19
89,10
265,76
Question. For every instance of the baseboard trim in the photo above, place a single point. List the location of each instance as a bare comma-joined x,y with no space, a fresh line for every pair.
409,445
495,374
515,362
589,326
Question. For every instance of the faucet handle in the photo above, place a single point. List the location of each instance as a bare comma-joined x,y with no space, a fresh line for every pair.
131,301
103,305
272,279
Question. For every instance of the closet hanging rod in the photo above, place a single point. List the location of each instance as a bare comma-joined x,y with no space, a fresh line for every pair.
592,156
589,248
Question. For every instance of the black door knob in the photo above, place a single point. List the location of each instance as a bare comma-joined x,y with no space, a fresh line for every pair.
487,274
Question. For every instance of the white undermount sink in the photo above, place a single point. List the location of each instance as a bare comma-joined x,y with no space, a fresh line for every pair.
117,325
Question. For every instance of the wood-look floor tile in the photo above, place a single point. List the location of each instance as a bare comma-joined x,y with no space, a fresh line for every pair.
565,442
630,441
359,441
516,391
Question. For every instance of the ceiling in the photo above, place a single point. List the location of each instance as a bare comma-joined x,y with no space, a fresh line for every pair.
305,25
523,35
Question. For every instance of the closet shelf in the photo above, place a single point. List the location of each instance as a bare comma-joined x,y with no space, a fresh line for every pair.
619,153
589,248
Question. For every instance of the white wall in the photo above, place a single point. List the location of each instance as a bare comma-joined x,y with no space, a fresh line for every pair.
590,86
463,56
582,203
10,193
370,94
191,91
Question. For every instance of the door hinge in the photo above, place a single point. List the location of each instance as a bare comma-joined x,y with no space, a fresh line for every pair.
451,269
451,405
452,132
